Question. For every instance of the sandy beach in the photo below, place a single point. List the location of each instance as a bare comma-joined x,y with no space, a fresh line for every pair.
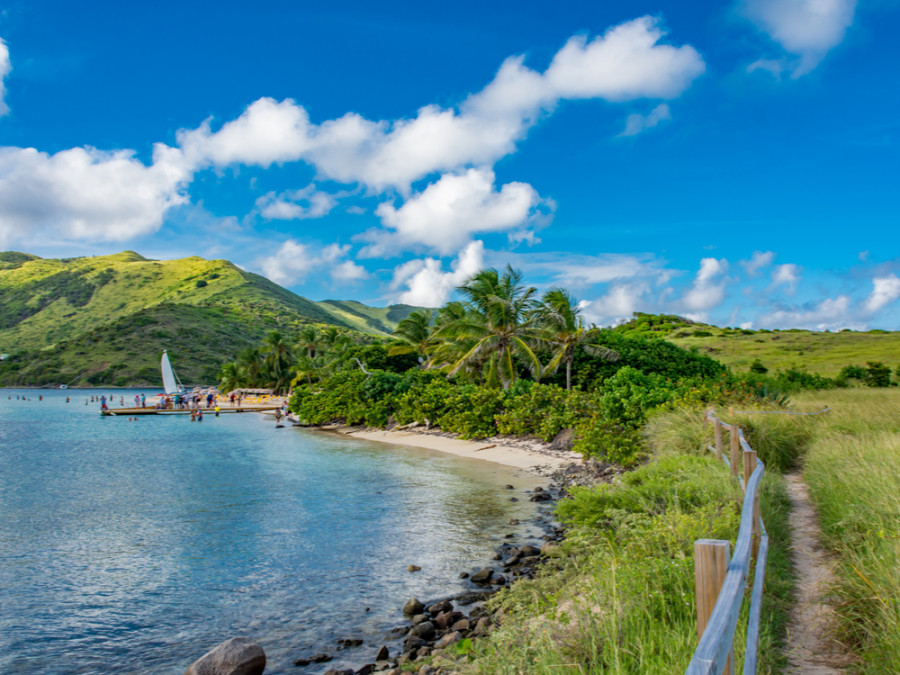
530,455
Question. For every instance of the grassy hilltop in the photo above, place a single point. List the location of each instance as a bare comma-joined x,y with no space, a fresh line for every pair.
107,318
822,353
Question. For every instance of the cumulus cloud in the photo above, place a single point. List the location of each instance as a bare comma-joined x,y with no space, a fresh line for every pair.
805,29
426,282
86,194
828,314
296,204
885,290
708,289
617,305
444,216
628,62
758,261
636,123
293,262
786,275
5,68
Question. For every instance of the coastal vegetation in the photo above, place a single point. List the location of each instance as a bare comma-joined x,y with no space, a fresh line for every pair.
104,320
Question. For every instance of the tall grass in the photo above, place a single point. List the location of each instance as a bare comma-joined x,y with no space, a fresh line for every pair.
619,598
853,471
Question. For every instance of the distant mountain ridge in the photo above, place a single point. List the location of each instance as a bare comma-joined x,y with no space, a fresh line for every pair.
106,318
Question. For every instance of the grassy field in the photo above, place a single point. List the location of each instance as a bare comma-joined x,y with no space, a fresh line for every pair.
816,352
823,353
853,471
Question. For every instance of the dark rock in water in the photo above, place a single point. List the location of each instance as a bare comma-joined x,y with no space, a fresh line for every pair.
442,606
413,568
498,580
498,556
237,656
413,606
510,561
529,550
419,618
424,630
366,669
538,489
514,521
383,654
349,642
513,499
463,575
541,497
321,658
482,576
510,487
468,598
510,536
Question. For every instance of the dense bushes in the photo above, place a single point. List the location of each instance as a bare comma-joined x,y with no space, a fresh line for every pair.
605,422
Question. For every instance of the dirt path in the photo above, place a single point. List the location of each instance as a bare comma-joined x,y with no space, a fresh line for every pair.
811,649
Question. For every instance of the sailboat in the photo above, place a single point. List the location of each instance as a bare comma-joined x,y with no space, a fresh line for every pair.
171,383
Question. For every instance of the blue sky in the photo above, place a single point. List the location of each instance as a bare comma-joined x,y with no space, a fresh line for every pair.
731,162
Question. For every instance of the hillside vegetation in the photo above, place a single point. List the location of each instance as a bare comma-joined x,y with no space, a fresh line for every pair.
817,352
106,319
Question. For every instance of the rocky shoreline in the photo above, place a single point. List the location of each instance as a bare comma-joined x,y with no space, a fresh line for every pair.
434,628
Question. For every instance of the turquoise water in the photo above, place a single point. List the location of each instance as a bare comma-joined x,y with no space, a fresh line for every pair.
137,546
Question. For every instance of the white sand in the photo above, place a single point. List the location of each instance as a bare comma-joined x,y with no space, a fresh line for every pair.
531,459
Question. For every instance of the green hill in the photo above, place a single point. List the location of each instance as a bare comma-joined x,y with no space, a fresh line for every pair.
817,352
106,319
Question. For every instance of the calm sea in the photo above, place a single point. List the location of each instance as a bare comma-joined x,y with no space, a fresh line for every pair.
137,546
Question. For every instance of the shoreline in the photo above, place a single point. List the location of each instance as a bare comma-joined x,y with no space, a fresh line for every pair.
531,455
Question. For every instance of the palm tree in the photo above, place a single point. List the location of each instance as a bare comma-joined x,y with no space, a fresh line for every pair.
496,325
562,328
230,377
414,335
308,340
278,357
250,363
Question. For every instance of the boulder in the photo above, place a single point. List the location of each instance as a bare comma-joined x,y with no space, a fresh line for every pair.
383,654
461,626
438,607
529,550
424,630
237,656
413,606
447,640
419,618
563,440
482,576
413,568
541,497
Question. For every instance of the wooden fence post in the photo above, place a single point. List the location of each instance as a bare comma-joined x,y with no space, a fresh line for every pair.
749,468
735,457
718,430
710,567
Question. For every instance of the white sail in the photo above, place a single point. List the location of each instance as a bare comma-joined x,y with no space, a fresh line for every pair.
170,384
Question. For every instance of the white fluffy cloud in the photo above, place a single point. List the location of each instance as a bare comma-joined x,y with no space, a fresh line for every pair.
806,29
617,305
86,194
885,290
293,262
786,275
636,123
758,261
426,282
708,288
828,314
444,216
296,204
626,63
5,68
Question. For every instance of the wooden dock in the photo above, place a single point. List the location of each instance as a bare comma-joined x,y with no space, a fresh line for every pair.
127,412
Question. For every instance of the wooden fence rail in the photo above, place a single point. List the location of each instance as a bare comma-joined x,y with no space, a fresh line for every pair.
721,583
